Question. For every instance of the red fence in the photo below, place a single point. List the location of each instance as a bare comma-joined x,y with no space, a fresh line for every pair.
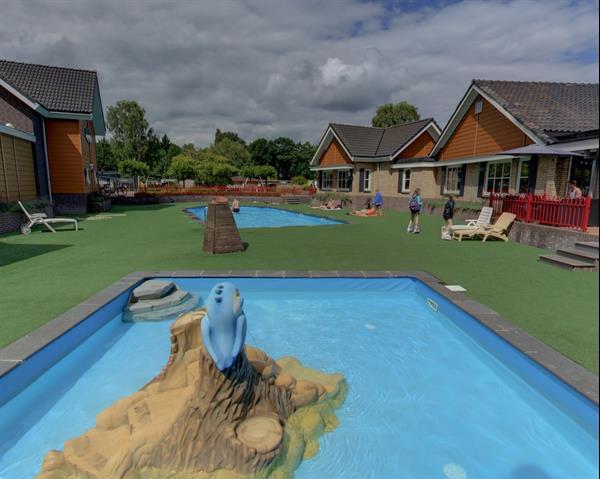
231,190
546,210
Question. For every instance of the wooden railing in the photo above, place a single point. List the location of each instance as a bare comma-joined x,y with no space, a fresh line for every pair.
546,210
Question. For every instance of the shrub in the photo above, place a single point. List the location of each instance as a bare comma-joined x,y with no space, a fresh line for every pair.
299,180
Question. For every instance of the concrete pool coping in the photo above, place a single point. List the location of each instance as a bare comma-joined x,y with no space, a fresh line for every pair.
579,378
197,219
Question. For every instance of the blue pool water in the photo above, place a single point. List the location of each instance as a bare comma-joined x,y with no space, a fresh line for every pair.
425,399
265,217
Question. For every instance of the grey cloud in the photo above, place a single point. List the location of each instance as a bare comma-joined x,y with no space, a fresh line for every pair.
288,68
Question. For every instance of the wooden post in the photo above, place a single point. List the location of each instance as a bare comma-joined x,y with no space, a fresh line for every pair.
587,204
529,209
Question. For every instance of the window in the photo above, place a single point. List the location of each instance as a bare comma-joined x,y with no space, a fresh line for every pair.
523,176
454,180
405,181
367,180
498,177
327,180
343,180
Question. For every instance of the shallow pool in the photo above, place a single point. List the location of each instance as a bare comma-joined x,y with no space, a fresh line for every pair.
428,396
265,217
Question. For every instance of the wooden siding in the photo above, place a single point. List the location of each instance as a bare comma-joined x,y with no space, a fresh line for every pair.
64,156
420,147
334,155
17,171
491,133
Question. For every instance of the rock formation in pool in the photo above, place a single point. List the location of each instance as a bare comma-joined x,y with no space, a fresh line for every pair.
258,417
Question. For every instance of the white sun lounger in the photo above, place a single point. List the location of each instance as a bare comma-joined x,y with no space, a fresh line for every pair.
484,219
42,219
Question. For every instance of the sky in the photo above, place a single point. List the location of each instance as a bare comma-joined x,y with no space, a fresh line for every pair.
288,68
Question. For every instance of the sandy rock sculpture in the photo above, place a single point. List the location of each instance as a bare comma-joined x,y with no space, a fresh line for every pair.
257,418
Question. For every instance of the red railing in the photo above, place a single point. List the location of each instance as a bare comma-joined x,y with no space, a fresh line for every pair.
230,190
546,210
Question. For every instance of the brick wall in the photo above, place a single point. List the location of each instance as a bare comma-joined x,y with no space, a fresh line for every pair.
547,237
12,110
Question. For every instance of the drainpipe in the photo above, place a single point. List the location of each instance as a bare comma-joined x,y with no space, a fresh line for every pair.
593,177
46,159
378,173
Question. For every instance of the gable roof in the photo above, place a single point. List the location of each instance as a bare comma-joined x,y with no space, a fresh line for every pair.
374,142
551,110
55,92
55,88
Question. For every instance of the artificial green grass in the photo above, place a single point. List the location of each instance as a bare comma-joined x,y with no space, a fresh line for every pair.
44,274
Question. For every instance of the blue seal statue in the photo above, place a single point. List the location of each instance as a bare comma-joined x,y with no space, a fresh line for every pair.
223,328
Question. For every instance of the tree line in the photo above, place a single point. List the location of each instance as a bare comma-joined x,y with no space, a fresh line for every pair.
135,150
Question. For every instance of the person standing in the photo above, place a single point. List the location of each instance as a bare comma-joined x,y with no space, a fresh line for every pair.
378,202
414,205
573,193
448,214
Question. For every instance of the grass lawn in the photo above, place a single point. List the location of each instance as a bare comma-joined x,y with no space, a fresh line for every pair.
44,274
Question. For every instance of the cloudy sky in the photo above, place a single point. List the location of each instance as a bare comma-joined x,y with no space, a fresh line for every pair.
267,68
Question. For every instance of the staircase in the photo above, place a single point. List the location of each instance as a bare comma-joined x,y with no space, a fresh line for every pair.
582,257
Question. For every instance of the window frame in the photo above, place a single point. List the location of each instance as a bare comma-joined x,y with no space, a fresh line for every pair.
327,177
486,191
347,181
366,180
519,176
459,180
406,189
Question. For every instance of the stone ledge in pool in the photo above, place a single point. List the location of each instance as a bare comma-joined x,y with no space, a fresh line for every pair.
268,217
267,419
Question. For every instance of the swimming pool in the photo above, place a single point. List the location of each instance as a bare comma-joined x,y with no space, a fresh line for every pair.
432,394
265,217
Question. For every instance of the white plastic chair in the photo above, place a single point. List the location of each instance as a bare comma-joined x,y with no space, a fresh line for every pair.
42,219
484,219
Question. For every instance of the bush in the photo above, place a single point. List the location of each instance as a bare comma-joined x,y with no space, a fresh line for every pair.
299,180
183,168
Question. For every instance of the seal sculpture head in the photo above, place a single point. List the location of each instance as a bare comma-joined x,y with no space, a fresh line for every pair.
223,328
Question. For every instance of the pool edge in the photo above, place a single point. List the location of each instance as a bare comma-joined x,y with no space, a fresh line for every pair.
580,379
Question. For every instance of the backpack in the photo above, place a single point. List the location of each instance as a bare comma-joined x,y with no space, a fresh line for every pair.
413,204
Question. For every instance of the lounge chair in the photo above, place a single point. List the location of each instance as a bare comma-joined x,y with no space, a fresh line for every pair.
42,219
497,230
484,219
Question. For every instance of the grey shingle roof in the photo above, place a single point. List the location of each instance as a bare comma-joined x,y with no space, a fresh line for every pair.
372,142
55,88
549,109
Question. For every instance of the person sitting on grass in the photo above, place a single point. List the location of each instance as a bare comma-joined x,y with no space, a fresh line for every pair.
448,214
414,205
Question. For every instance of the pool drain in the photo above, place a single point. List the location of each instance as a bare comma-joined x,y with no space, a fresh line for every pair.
432,304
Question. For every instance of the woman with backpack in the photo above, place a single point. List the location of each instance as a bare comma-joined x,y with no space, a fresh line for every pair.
414,205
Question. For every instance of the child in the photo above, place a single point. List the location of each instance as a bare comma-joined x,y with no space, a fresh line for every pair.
414,205
378,201
235,206
448,214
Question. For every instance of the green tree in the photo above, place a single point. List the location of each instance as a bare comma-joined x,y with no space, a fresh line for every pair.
262,152
105,158
259,171
392,114
214,169
133,168
183,167
221,135
234,151
126,121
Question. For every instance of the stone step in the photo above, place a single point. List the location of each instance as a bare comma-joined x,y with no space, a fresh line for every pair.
587,246
567,263
579,254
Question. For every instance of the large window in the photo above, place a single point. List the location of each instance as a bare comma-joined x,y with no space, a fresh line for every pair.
343,180
405,181
454,180
367,180
523,176
327,180
498,177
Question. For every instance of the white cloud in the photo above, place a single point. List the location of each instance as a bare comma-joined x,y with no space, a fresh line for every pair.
289,68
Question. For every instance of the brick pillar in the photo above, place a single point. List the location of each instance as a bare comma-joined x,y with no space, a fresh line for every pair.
220,231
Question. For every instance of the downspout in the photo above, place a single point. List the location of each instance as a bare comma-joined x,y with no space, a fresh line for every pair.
593,177
378,173
46,159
